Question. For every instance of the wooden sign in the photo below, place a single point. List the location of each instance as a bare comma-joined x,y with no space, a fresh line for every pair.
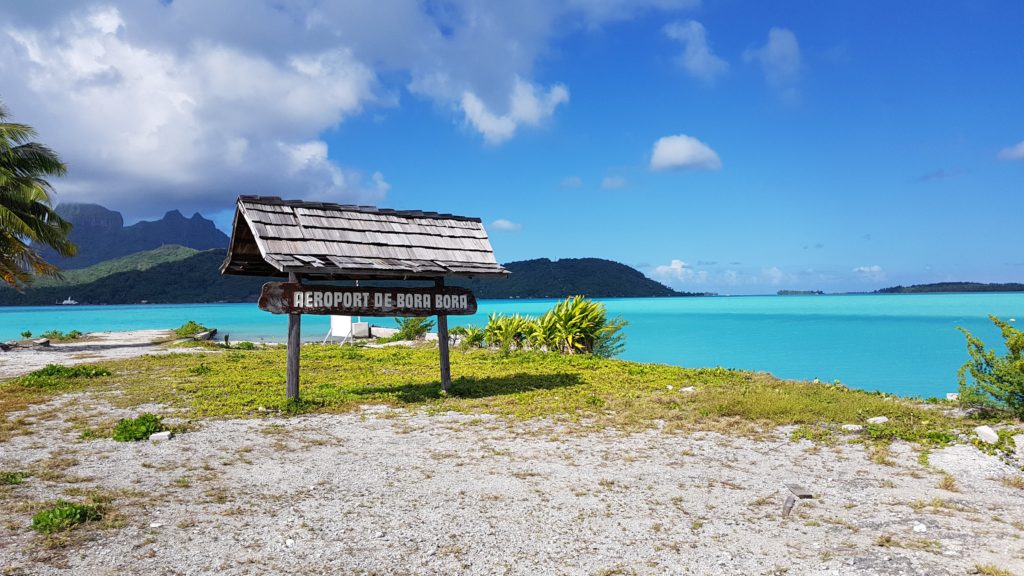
293,298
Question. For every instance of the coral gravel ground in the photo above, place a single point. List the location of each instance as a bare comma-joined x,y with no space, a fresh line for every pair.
386,491
537,465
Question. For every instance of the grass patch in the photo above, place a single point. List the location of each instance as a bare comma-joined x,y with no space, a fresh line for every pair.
138,428
64,516
991,570
1013,482
602,392
57,376
12,478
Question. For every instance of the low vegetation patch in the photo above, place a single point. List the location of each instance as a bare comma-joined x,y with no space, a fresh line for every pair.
64,516
523,384
57,376
11,478
189,329
139,428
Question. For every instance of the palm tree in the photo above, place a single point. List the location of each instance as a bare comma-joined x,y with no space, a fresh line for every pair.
27,217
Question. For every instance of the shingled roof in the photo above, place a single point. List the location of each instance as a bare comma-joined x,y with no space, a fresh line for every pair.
273,237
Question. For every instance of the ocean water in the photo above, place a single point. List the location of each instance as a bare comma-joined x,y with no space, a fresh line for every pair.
903,344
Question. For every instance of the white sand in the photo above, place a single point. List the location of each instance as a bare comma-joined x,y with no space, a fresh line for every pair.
94,347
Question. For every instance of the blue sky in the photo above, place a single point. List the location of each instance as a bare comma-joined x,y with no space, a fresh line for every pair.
735,147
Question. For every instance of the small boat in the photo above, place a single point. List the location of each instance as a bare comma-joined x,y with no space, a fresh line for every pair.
69,302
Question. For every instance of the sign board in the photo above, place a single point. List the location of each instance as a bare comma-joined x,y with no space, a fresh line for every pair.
292,298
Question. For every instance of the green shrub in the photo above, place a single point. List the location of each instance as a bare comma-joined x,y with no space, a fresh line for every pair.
507,332
996,382
26,334
471,336
12,478
140,428
413,328
53,375
200,370
578,325
245,346
58,336
189,329
573,326
63,516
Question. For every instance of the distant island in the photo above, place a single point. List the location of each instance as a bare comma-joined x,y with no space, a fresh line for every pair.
940,287
799,292
176,260
182,275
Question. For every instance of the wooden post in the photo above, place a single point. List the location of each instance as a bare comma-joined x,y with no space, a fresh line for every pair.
294,344
442,344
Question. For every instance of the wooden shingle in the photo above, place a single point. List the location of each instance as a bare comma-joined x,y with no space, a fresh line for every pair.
336,241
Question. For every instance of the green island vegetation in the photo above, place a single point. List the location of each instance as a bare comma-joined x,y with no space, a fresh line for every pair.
952,287
133,262
170,275
800,293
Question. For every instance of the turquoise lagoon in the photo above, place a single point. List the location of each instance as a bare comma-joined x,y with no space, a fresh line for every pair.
902,344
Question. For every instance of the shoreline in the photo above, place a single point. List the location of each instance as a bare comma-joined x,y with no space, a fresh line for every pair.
94,347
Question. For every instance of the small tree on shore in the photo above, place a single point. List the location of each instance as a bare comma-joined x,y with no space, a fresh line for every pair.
996,382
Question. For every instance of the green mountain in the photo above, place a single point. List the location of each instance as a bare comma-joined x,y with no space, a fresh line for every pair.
952,287
101,235
170,275
593,277
134,262
194,279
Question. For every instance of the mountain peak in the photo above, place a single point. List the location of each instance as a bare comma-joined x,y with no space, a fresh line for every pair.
101,235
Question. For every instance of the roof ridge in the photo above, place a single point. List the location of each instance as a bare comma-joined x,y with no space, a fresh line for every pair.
366,209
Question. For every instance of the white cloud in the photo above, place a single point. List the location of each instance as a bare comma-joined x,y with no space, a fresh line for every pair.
697,58
773,275
779,59
1015,152
504,225
682,151
193,127
525,107
185,104
613,183
572,182
873,272
681,272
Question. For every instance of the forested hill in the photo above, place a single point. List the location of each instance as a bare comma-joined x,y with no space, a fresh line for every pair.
592,277
952,287
171,275
195,279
